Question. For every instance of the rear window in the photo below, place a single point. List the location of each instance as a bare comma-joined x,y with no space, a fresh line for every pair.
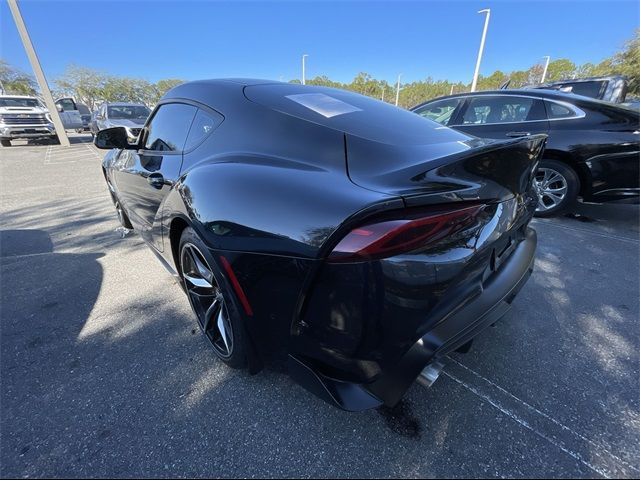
353,114
591,89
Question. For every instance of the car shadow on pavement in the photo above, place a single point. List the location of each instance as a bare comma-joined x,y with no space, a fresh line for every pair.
104,373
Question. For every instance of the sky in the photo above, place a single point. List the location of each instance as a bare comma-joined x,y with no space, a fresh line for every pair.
266,39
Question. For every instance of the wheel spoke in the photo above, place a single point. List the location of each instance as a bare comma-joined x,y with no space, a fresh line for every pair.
222,328
197,281
211,312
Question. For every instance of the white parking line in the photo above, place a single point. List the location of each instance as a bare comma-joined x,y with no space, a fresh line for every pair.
609,464
73,154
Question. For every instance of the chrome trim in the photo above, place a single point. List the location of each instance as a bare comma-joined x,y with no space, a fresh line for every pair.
579,113
632,192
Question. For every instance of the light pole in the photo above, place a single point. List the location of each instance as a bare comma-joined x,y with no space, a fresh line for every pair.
303,65
484,36
546,65
37,70
398,89
383,89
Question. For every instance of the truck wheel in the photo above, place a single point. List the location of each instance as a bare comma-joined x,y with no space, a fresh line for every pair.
5,142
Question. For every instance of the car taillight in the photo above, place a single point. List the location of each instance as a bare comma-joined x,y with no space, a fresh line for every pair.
392,237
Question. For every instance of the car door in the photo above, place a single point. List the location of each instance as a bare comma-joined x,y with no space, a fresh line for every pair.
146,175
69,114
501,116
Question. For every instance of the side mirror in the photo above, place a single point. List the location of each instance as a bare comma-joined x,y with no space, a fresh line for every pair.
115,137
59,108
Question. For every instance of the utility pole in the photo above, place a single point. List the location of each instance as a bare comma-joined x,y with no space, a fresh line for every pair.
383,89
398,89
484,36
546,65
37,70
303,65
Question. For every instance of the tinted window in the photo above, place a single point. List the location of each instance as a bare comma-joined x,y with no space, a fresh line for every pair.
440,111
556,110
203,125
169,127
507,109
588,89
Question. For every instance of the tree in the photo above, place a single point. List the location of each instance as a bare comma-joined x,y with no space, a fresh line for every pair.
85,85
560,69
16,82
163,86
627,63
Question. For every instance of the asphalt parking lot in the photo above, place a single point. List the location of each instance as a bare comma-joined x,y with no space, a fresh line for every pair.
103,372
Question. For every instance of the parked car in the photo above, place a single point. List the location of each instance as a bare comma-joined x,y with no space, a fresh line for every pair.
131,116
70,114
24,117
359,239
611,88
592,150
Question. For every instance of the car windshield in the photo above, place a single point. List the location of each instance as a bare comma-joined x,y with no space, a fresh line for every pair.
20,102
128,112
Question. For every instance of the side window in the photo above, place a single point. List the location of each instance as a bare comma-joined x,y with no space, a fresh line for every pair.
440,111
203,124
557,110
168,129
507,109
66,104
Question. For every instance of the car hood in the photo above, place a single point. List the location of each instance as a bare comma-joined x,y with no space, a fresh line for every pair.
125,122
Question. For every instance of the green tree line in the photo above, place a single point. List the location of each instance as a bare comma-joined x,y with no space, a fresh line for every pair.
92,87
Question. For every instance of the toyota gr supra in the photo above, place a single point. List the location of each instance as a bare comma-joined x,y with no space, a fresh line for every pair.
357,240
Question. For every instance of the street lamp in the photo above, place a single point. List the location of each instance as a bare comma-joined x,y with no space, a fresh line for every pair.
546,65
398,89
484,35
303,65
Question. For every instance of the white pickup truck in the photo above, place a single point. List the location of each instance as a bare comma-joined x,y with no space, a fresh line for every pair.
26,117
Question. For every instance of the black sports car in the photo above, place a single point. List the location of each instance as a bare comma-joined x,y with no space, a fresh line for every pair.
360,240
593,149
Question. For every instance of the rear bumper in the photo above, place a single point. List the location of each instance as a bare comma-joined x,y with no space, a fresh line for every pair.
454,330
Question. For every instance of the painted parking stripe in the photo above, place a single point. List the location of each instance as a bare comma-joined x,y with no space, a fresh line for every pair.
595,457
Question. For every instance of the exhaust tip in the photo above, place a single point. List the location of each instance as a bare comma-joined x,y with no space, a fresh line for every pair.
430,374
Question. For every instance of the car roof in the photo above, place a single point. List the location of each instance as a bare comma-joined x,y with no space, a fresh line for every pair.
538,92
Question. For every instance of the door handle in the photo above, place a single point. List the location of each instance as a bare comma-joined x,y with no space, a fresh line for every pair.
156,180
518,134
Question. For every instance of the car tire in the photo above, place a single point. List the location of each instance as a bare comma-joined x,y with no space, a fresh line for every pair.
557,185
122,215
55,140
212,300
5,142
